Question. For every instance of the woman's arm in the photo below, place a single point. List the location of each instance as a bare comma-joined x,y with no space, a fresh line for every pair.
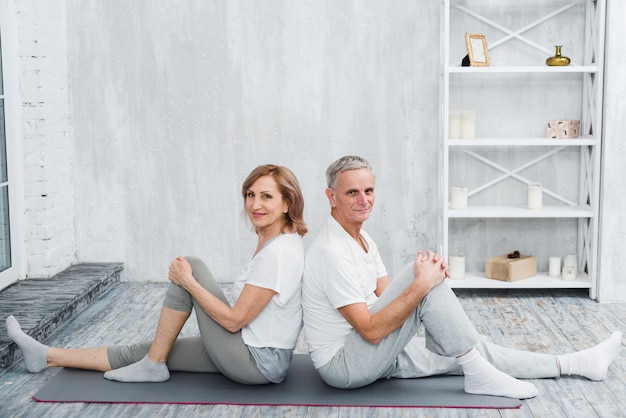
248,306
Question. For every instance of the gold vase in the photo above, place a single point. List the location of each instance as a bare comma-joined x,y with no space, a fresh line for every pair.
558,60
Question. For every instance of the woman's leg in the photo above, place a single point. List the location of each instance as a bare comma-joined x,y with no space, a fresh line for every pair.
226,351
152,367
216,350
38,357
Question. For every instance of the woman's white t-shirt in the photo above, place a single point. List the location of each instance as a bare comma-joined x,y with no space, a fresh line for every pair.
278,266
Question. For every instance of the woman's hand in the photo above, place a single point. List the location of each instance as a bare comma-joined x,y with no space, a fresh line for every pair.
180,272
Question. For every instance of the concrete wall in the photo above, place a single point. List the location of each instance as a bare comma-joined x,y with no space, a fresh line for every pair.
172,104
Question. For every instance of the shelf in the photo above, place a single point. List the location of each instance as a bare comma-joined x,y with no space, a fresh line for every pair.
521,142
541,281
525,69
517,100
522,212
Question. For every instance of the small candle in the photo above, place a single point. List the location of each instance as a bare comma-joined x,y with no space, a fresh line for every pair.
570,267
468,124
456,266
534,196
455,125
554,266
571,260
459,197
569,273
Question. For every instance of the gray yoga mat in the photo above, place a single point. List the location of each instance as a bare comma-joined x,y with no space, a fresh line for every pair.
302,387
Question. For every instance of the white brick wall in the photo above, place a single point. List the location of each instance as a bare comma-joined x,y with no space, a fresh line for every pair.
47,140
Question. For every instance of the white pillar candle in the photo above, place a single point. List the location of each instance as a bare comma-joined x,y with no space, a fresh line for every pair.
458,199
554,266
534,196
456,266
455,125
468,124
570,267
569,273
571,260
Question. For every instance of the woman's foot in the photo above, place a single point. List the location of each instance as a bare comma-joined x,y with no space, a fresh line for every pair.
145,370
33,351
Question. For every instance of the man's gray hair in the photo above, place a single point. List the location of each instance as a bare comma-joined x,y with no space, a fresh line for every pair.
348,162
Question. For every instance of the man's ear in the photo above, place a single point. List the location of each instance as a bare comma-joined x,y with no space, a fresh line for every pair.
330,194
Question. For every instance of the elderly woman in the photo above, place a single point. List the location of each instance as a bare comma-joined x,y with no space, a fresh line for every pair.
250,342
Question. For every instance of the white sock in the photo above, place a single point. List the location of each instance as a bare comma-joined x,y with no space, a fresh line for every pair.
592,363
482,378
33,351
145,370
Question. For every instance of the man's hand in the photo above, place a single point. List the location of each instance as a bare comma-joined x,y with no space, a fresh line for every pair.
430,270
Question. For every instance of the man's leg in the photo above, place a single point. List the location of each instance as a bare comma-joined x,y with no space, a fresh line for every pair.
359,362
449,333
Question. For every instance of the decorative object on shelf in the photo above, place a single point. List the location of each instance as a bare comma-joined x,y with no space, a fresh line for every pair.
459,197
477,51
456,267
534,195
455,124
468,124
462,124
570,267
563,129
554,266
569,273
510,269
558,60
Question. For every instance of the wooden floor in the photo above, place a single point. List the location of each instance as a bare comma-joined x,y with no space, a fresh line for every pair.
545,320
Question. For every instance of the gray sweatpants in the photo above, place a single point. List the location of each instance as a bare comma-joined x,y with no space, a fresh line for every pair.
216,350
448,334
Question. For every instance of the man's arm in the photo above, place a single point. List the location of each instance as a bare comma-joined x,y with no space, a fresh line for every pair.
381,285
429,272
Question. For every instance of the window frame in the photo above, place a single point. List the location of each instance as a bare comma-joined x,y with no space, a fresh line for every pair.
9,56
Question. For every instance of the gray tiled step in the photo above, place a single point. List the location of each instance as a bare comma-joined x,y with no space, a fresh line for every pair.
44,305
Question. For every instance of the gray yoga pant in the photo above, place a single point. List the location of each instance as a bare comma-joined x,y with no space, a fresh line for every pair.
449,333
216,350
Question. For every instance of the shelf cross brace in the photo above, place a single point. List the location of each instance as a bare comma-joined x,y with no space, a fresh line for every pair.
514,173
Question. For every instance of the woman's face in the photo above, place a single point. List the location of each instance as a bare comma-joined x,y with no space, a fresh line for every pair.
265,205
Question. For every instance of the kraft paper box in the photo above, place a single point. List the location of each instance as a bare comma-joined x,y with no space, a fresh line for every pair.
563,129
511,269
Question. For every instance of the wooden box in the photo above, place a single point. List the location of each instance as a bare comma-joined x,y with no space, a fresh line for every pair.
511,269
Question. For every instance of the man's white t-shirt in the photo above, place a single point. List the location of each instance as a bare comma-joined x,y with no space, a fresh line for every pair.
337,273
278,266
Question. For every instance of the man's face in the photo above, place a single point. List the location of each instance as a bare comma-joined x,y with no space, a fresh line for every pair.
354,197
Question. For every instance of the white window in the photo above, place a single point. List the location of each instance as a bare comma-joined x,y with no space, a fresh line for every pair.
9,266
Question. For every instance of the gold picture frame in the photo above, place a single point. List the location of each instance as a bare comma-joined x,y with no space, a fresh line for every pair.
477,50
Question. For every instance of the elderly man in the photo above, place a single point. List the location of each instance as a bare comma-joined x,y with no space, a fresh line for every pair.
360,326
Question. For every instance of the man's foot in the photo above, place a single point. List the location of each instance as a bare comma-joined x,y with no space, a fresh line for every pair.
145,370
482,378
592,363
33,351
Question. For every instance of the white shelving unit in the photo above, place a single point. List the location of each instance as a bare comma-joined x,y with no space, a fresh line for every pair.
520,38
